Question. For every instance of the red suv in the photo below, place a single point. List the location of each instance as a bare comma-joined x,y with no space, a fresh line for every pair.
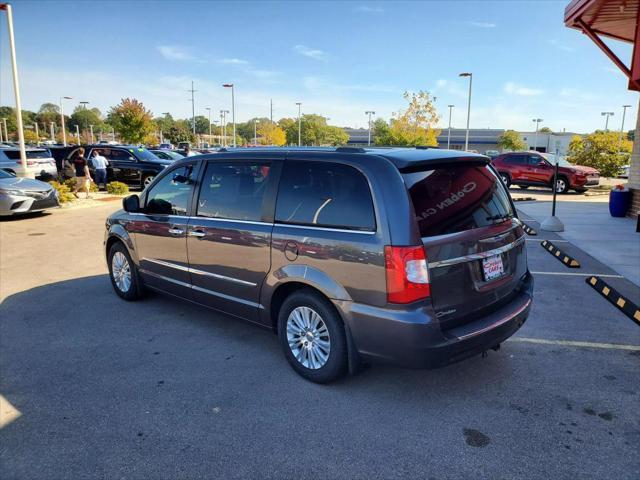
527,169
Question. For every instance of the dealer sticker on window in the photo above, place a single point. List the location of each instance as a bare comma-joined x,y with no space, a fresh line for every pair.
492,267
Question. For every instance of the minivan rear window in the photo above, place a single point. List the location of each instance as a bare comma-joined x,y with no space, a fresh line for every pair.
452,199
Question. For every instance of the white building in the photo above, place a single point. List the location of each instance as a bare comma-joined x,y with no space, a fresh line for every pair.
548,142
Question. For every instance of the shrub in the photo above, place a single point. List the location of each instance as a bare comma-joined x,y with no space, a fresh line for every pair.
93,187
117,188
64,192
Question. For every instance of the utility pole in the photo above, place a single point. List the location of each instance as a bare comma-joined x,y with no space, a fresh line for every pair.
449,134
299,124
369,112
16,84
466,137
208,109
271,110
193,107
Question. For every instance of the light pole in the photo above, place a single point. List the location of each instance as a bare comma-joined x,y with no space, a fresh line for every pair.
535,138
369,112
64,132
37,133
449,134
224,125
221,127
53,133
255,132
91,132
624,112
78,133
466,137
271,110
606,122
6,132
16,84
233,109
208,109
299,124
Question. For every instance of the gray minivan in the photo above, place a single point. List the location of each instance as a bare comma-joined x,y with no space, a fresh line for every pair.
350,255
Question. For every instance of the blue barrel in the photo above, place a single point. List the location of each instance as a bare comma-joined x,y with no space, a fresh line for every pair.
619,202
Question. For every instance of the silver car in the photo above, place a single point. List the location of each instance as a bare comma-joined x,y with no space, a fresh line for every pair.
25,195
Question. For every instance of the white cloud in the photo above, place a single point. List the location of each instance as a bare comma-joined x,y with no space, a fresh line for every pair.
482,24
368,9
314,53
561,46
175,52
441,83
234,61
514,89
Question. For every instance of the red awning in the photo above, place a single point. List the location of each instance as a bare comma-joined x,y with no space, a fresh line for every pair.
617,19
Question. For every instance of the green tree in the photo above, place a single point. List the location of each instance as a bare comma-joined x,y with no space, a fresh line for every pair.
413,126
202,125
246,129
335,136
511,140
545,130
179,133
600,150
131,120
164,123
379,130
83,117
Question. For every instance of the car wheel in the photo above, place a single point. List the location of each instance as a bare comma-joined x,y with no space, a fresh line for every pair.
313,337
562,185
506,179
123,273
147,179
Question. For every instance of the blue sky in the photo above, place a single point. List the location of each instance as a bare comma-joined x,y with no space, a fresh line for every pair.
338,58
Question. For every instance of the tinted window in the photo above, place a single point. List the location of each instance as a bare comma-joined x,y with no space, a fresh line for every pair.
233,190
116,154
15,154
516,159
534,160
453,199
324,194
169,197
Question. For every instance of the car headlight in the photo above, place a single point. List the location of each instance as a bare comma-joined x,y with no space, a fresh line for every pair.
11,192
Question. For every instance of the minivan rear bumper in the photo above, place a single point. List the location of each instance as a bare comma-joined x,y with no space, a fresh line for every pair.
411,337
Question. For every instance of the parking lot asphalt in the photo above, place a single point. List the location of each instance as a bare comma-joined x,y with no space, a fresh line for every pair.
161,388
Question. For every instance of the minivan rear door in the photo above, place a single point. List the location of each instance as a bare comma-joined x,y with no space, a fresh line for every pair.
473,240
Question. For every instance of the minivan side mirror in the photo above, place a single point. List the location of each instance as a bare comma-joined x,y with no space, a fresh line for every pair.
131,204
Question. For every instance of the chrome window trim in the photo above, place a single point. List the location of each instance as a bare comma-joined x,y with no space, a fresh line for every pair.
477,256
325,229
199,272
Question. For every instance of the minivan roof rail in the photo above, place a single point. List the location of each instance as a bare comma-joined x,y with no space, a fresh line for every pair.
424,147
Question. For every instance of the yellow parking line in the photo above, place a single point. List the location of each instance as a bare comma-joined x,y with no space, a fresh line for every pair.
572,343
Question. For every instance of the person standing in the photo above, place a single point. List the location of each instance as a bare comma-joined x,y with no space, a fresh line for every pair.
83,176
188,152
100,164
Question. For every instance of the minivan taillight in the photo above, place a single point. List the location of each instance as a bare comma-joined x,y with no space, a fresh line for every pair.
407,274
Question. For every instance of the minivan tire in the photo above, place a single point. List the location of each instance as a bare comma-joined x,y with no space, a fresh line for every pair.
134,289
336,364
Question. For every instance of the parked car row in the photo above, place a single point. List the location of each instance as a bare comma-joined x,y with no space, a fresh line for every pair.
25,195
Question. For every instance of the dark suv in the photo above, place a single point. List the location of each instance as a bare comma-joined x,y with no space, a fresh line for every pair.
410,256
135,166
527,169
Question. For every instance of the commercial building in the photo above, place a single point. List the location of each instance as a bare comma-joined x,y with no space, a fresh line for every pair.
548,141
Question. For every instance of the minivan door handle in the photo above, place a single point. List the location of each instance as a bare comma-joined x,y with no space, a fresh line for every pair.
196,233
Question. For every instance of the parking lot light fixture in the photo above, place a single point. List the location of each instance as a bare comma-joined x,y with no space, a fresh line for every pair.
449,133
208,109
6,132
624,112
466,137
78,134
53,132
606,121
370,112
91,133
535,138
233,109
64,133
299,123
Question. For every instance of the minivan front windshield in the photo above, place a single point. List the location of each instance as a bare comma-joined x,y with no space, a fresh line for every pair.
454,198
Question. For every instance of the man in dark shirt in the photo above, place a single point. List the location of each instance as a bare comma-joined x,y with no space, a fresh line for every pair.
83,176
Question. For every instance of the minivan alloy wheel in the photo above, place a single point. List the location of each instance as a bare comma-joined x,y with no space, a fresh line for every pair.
147,180
121,272
308,337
